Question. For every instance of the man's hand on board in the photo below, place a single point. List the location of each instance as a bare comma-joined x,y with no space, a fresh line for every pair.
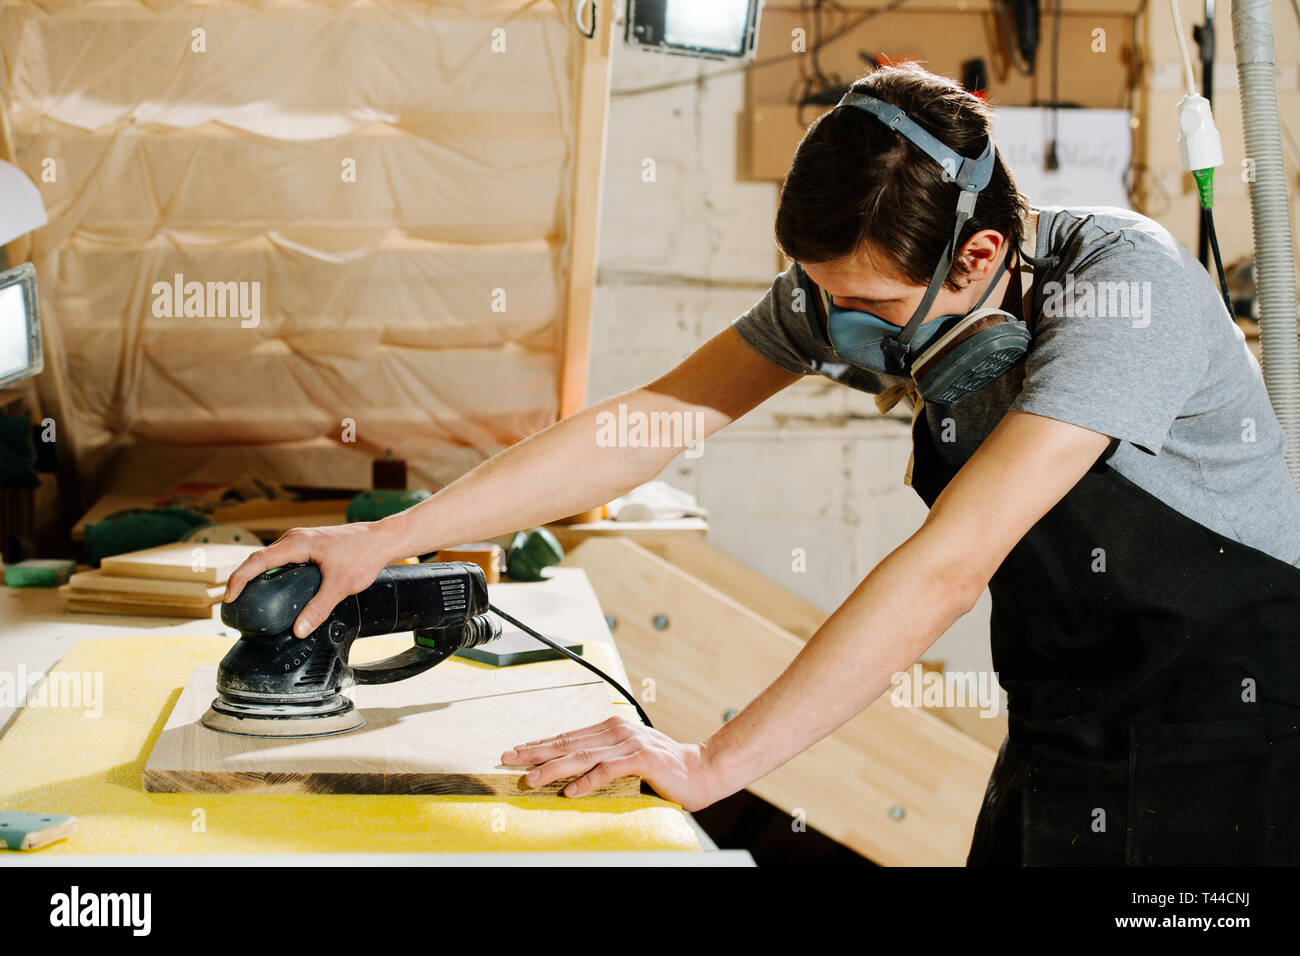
619,747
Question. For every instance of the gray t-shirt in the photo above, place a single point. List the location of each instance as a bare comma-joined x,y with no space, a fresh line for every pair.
1131,340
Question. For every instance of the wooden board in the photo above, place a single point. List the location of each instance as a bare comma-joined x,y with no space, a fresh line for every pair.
442,732
648,533
188,592
742,584
182,561
592,103
486,555
260,510
93,605
69,593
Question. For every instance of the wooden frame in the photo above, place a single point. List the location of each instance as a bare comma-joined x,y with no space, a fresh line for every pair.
592,80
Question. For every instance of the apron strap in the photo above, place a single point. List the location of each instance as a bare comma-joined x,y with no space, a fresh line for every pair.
1029,238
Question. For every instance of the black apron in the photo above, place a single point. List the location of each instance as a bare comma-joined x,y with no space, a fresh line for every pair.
1152,670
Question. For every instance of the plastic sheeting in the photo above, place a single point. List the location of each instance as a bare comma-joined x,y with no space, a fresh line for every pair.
373,199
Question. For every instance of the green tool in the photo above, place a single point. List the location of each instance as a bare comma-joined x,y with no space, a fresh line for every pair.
135,529
530,553
373,505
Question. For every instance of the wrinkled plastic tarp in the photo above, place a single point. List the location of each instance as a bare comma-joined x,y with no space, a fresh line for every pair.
373,200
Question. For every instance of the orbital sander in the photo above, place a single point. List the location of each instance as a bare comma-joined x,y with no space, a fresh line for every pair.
272,684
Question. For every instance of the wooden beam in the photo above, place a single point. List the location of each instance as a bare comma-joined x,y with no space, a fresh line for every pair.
742,584
787,610
592,86
648,533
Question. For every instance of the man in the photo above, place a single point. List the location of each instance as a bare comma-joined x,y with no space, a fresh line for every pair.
1098,450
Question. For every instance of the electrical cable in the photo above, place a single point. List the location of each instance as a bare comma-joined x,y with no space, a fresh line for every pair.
572,656
1185,55
1005,22
1204,35
1201,157
1218,261
818,85
814,52
1050,160
852,24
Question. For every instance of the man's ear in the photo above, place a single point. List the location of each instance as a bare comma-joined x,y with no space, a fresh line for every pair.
979,253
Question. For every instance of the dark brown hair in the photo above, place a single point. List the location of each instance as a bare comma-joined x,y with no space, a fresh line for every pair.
854,180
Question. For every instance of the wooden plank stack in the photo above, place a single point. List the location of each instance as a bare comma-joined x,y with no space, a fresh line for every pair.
173,580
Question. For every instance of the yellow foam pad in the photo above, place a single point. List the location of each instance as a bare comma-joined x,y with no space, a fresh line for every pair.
65,759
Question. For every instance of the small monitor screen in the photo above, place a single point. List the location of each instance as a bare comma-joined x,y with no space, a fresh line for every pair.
721,26
716,29
14,352
20,343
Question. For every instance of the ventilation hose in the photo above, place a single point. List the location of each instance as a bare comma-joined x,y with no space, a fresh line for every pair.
1252,38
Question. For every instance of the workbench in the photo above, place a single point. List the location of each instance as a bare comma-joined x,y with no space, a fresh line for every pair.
899,785
35,634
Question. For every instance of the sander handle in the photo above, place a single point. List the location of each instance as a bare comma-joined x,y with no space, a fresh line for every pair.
404,597
445,603
412,597
432,646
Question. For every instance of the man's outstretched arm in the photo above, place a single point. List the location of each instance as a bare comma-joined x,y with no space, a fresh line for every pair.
561,470
1025,466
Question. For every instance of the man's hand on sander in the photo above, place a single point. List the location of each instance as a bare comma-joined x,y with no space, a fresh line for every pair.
350,557
619,747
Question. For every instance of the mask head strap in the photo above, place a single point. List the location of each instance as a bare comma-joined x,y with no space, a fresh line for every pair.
971,175
997,274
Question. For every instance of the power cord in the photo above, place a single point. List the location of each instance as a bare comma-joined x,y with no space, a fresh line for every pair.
1052,162
1218,261
1004,21
574,657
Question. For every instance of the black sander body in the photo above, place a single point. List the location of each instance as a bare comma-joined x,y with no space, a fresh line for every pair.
272,684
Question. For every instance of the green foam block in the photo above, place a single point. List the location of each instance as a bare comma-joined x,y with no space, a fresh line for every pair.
39,573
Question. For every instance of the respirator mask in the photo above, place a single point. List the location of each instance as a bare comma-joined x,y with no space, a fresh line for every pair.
952,356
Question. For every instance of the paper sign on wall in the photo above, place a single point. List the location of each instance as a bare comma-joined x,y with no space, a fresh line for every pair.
1094,148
